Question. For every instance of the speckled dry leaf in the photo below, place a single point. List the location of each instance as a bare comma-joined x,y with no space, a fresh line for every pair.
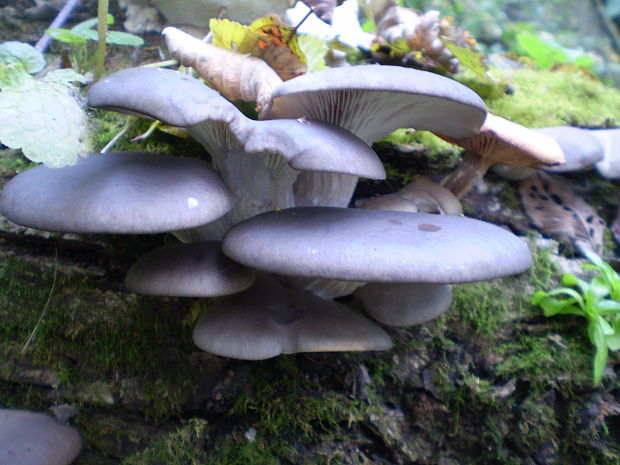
558,211
235,75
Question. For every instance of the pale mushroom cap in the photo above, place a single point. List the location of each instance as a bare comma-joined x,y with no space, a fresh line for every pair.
313,146
373,100
269,319
29,438
181,100
376,245
405,304
188,270
123,192
581,148
163,94
609,166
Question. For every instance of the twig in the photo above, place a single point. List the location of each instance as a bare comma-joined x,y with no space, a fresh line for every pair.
102,29
120,134
59,21
44,311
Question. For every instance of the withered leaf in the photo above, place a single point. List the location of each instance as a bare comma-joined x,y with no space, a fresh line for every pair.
266,38
235,75
558,211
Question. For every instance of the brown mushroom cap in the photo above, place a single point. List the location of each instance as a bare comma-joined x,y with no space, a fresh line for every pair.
354,244
188,270
123,192
29,438
373,100
269,319
500,142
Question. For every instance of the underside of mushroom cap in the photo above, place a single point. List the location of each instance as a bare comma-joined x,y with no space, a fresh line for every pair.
167,95
375,245
405,304
30,438
122,192
373,100
269,319
188,270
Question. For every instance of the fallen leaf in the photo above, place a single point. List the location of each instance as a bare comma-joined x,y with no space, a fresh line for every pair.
266,38
558,211
235,75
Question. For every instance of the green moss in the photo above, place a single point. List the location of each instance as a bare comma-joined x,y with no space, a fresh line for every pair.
87,335
185,446
555,98
108,124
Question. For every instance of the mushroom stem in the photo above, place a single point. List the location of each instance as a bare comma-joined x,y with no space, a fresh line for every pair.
463,179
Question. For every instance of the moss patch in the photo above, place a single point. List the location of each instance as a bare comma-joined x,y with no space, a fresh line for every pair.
557,97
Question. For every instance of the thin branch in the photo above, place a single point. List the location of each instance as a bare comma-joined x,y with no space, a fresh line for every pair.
59,21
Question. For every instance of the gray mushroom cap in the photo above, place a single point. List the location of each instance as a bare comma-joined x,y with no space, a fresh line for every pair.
184,101
172,97
269,319
376,245
29,438
373,100
123,192
609,166
404,304
581,148
188,270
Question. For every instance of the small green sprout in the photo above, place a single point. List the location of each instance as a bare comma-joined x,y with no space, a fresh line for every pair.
598,301
80,36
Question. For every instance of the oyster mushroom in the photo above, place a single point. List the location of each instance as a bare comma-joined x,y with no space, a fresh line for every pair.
29,438
122,193
371,101
270,319
581,148
259,160
198,269
609,166
374,245
500,142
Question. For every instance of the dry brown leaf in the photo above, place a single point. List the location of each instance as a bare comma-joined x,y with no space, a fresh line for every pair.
558,211
234,75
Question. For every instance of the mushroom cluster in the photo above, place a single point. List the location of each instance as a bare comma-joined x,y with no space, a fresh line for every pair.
268,224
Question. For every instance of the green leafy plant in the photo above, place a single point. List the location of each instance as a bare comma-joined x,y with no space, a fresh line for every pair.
41,116
598,301
84,35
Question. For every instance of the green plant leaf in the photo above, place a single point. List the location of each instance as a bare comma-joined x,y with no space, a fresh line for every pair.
599,287
123,38
91,24
313,50
544,54
601,352
65,76
67,36
569,279
608,306
13,76
20,52
45,121
551,306
613,341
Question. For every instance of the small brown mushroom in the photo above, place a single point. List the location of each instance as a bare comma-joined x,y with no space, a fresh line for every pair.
500,142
